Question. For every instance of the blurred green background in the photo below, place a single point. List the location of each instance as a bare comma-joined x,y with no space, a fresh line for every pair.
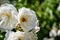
46,11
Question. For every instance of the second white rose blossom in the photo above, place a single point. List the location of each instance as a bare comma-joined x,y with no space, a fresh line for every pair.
58,32
27,19
58,8
7,17
53,32
20,36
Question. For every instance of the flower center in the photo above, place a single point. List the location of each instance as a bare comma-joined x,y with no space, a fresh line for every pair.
23,19
19,39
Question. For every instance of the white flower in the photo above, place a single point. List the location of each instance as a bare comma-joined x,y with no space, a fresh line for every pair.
14,35
7,17
58,33
58,8
9,7
53,33
27,19
20,36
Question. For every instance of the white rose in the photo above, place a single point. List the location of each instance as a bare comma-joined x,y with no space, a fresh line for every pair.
58,33
27,19
53,33
7,17
58,8
14,35
20,36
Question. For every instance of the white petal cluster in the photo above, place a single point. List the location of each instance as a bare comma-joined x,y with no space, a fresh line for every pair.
27,19
53,33
58,8
7,17
58,33
20,36
14,35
